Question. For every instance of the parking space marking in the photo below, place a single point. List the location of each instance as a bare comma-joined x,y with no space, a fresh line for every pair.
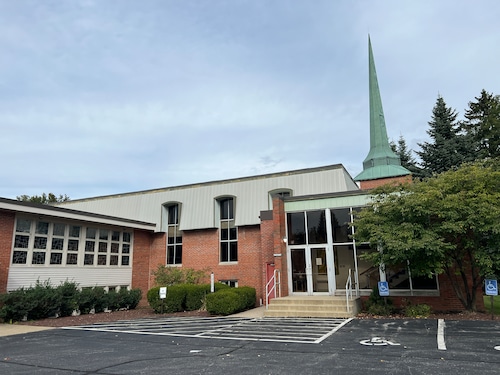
296,330
440,335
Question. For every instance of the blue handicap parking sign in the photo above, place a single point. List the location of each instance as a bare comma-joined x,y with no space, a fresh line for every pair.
383,288
491,287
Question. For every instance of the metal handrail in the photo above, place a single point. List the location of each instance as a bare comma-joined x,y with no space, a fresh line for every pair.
348,290
275,280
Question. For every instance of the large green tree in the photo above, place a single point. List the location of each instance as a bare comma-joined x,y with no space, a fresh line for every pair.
447,148
482,125
449,224
44,198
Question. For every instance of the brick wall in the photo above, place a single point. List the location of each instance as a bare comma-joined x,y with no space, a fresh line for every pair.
7,222
371,184
141,263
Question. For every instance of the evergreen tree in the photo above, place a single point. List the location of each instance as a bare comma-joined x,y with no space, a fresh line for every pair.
406,156
448,148
482,125
44,198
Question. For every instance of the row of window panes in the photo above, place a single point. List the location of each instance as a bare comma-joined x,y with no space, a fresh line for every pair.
55,234
316,231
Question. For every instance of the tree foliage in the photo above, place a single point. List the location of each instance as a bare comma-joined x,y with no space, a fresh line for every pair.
448,148
44,198
449,224
482,125
406,156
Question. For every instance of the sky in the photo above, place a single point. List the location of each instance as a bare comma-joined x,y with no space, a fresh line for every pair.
103,97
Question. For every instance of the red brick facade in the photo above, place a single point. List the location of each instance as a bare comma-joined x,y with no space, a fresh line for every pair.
371,184
7,220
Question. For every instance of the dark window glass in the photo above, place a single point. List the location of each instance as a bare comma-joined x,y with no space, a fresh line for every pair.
224,253
226,209
42,228
72,259
125,260
126,237
38,257
296,228
316,227
89,246
91,233
21,242
55,258
340,223
19,257
57,243
103,247
115,236
58,229
73,245
88,259
125,249
101,260
103,234
23,225
113,260
74,231
40,243
115,247
233,251
173,214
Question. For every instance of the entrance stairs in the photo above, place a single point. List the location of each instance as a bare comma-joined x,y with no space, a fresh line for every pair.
312,307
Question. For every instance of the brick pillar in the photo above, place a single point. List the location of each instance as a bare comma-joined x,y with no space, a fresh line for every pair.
7,221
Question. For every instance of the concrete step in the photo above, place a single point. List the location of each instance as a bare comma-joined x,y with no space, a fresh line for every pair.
312,306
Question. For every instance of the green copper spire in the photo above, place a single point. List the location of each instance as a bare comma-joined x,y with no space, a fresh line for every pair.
381,161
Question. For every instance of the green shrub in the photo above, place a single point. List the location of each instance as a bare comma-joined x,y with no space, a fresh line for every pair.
224,302
153,297
69,298
129,299
417,311
176,298
47,300
92,298
15,305
173,275
377,305
249,295
195,296
113,300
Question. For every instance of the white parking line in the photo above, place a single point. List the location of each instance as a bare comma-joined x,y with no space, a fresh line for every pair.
440,335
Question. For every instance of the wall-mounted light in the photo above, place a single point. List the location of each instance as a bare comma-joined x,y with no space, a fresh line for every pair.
285,240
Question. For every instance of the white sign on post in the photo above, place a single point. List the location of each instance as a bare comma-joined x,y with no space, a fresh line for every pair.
163,292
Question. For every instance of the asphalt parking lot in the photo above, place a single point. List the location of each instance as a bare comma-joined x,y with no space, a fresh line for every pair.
184,346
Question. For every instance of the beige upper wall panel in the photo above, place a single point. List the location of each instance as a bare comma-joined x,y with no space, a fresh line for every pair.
198,200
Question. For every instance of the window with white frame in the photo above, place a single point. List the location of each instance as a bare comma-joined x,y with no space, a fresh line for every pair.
228,231
174,235
42,242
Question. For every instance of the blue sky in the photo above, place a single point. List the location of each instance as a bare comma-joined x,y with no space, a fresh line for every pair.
111,96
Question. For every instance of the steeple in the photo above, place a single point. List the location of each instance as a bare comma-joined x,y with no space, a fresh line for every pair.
381,162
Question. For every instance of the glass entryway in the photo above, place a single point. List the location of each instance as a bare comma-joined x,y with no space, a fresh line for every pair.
309,270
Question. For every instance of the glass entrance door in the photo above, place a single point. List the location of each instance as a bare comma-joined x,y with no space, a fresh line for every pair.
309,270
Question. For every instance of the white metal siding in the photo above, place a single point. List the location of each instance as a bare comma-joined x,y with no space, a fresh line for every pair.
198,200
83,276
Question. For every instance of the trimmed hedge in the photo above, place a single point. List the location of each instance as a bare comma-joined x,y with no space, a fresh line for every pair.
230,301
190,297
43,301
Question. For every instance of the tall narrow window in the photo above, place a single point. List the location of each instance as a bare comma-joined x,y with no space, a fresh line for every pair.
174,235
228,231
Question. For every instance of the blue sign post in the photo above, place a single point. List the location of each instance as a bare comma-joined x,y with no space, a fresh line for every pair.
491,289
383,288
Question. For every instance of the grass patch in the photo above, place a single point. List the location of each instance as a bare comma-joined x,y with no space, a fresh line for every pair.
496,304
